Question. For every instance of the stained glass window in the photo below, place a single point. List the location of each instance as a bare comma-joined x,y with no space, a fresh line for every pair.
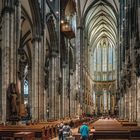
25,87
104,60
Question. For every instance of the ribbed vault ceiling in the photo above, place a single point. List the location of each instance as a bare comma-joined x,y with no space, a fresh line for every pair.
101,23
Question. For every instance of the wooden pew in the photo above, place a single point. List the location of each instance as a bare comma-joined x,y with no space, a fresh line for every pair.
111,128
114,130
77,136
123,121
117,132
111,132
51,127
111,135
9,131
129,123
134,133
24,136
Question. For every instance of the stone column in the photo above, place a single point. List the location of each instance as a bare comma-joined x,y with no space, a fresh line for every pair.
130,105
134,101
71,93
138,101
35,79
45,87
119,106
60,98
94,101
109,107
64,89
67,91
52,85
12,46
122,107
45,109
0,72
74,93
60,106
57,95
127,104
112,103
5,58
22,68
105,101
11,15
67,100
17,28
139,18
97,103
15,35
79,64
41,79
101,103
29,87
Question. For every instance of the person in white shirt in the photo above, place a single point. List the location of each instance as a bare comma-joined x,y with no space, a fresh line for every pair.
66,131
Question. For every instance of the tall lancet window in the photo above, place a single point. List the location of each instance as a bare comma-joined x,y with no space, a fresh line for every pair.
104,61
26,80
104,56
25,87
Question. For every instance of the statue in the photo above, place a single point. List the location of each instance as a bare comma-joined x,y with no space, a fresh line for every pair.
13,99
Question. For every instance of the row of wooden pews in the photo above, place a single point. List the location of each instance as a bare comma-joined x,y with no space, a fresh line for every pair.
19,131
113,129
109,129
39,131
134,130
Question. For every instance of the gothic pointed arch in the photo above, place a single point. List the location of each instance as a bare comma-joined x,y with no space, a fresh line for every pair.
52,32
71,57
36,17
48,49
24,62
100,30
100,24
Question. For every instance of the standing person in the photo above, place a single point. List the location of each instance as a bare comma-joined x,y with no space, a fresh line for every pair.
71,123
66,131
84,131
60,131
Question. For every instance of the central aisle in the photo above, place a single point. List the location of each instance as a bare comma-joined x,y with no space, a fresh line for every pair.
104,124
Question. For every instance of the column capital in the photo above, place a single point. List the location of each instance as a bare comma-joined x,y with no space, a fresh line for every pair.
80,27
17,2
29,66
53,53
37,38
64,64
71,71
7,9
